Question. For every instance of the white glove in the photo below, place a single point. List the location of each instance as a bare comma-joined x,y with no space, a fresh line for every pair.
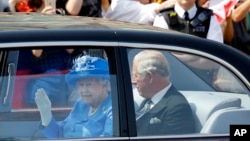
85,132
44,106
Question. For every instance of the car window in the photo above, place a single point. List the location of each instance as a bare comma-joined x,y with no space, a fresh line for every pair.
76,85
182,93
214,74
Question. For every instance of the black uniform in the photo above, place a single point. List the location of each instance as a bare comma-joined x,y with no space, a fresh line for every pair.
198,25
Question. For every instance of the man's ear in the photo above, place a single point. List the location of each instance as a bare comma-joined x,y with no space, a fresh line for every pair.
149,76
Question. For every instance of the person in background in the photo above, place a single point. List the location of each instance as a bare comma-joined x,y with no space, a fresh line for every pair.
4,6
206,69
164,110
91,115
241,11
136,11
105,6
240,19
49,65
184,17
91,8
48,60
232,16
20,6
222,11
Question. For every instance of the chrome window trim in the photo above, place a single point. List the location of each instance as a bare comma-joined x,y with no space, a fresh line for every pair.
99,139
182,136
56,43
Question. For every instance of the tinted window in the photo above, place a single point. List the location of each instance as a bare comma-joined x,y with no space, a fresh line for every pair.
27,71
199,94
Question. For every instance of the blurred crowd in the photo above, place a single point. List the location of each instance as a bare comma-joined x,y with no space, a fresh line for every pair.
225,21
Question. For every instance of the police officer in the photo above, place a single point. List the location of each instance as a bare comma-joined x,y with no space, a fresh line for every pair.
187,17
91,115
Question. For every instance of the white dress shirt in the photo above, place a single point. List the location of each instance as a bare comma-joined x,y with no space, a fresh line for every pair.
131,11
214,31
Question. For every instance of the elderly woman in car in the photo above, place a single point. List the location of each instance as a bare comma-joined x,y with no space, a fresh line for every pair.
91,115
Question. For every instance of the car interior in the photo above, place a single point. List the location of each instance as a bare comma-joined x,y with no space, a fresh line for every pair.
214,110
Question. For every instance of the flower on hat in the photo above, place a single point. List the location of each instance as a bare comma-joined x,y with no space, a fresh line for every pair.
84,63
87,67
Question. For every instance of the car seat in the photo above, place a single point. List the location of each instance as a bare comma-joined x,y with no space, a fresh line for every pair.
204,104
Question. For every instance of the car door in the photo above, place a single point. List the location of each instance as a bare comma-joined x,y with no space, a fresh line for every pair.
216,91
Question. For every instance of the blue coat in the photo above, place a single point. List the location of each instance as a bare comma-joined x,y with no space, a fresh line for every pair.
80,124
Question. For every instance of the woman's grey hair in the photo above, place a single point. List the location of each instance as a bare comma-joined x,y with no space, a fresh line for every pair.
105,82
153,61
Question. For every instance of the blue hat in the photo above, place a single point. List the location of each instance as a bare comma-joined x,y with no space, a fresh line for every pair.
87,67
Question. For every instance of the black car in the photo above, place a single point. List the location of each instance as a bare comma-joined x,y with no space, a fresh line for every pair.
215,81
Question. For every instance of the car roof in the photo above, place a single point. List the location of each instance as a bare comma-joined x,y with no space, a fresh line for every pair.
24,21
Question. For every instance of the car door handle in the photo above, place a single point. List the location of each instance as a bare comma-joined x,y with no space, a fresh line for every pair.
10,67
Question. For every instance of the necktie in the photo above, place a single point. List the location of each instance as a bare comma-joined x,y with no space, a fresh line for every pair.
186,16
144,109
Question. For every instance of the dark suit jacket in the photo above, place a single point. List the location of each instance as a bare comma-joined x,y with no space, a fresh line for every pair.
171,115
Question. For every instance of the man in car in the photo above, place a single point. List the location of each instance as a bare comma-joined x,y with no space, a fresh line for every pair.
164,110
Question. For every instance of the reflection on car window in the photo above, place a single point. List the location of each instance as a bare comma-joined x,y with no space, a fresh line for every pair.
212,73
46,68
66,91
212,92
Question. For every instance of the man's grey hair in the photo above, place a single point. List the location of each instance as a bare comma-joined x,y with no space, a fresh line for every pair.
153,61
